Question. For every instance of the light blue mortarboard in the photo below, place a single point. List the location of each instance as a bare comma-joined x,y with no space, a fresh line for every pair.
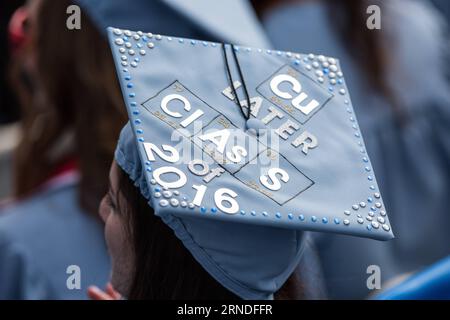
238,187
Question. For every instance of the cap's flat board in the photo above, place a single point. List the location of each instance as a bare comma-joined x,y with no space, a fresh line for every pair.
329,187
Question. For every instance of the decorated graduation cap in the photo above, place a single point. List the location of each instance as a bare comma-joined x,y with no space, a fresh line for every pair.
239,150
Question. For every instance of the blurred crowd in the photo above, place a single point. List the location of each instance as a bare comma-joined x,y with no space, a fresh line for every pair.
61,113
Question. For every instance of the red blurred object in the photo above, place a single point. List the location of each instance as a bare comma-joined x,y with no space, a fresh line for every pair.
16,30
69,165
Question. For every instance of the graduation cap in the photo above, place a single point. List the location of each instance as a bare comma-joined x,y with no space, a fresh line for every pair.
294,159
256,139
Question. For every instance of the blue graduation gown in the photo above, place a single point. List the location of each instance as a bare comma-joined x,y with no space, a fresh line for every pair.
41,237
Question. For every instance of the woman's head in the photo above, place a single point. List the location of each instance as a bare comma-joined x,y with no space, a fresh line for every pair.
172,255
71,102
148,260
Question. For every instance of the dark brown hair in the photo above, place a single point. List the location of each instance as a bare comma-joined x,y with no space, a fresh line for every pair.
366,46
163,267
74,94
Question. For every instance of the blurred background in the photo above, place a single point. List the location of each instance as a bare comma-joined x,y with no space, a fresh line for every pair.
9,109
397,77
